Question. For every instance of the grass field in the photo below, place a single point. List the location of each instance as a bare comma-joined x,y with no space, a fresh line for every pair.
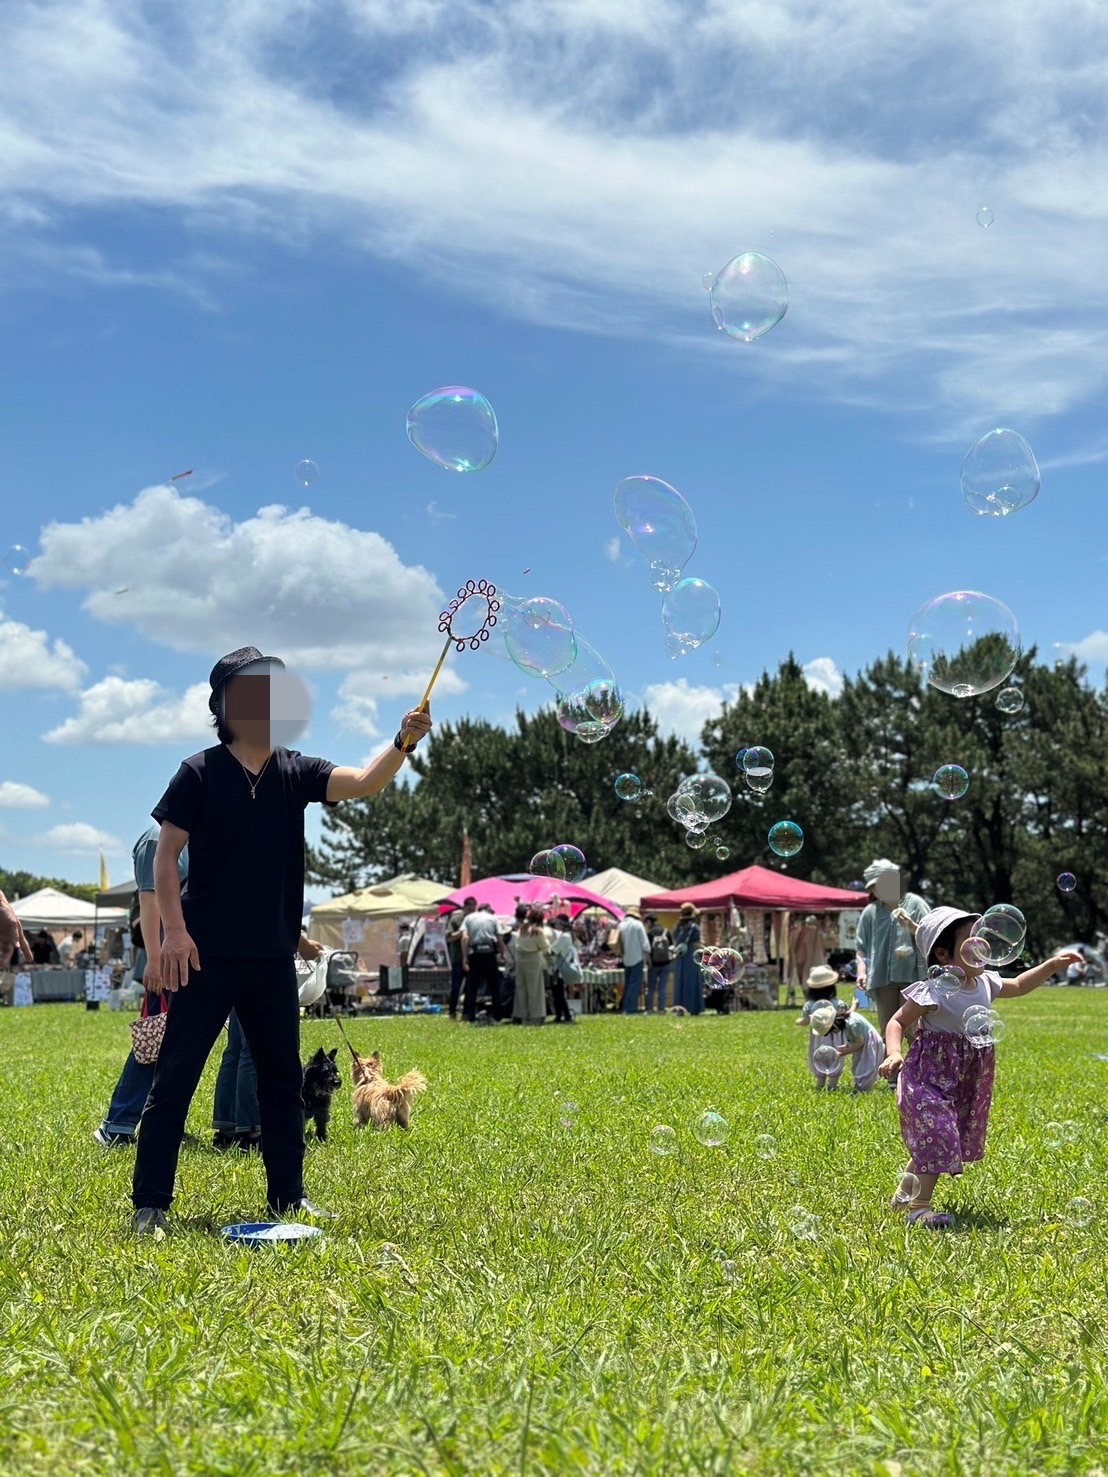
510,1292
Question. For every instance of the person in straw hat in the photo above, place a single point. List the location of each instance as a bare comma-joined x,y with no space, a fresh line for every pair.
688,987
634,946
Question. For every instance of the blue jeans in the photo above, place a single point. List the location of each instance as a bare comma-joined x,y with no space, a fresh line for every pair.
236,1086
129,1097
632,984
657,984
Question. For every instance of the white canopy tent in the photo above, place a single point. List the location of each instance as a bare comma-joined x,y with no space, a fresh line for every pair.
621,887
53,910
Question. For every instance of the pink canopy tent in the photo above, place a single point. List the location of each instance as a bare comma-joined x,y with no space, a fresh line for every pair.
759,888
503,893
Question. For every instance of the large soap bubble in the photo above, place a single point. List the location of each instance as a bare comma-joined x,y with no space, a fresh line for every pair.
708,794
690,614
590,703
660,524
455,427
540,637
1000,474
964,643
749,296
1002,929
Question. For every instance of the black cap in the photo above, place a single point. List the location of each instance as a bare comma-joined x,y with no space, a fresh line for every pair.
233,662
562,918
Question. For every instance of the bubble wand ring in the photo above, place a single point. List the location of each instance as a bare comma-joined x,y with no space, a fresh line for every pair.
482,590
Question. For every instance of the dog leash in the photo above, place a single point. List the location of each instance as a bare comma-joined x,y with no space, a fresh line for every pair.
342,1033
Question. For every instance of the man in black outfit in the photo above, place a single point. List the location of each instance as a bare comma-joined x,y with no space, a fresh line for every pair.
230,934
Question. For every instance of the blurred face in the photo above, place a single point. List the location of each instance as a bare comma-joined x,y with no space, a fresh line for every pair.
246,709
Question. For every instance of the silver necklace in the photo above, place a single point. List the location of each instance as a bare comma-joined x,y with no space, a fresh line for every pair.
253,783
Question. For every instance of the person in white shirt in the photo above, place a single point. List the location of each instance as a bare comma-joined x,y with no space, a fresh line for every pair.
566,964
634,946
482,950
68,947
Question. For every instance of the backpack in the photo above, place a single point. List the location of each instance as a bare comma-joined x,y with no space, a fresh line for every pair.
659,948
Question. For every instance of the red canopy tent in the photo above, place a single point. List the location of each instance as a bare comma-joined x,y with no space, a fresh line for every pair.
759,888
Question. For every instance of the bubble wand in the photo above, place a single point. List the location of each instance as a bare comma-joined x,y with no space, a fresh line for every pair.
480,590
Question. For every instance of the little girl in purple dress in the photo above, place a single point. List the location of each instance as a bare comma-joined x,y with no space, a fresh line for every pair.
945,1087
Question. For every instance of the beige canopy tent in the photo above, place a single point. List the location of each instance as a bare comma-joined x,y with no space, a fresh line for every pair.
365,921
55,911
623,888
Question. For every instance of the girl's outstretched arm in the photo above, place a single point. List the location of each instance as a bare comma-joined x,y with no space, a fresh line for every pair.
1031,979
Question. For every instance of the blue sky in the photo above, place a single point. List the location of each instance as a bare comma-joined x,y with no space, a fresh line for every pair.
232,237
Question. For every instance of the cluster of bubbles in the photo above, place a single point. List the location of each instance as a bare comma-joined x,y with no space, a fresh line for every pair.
1058,1135
755,764
720,967
541,640
748,296
964,643
698,801
709,1128
946,979
562,863
803,1225
996,938
662,526
455,427
983,1026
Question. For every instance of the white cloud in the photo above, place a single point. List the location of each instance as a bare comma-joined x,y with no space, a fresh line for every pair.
682,709
27,659
80,839
313,591
519,151
118,711
14,796
611,550
822,675
363,695
1092,648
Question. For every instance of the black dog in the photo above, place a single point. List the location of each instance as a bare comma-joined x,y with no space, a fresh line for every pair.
321,1082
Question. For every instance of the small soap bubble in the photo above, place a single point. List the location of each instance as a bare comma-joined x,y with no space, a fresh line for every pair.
722,852
964,643
974,953
1067,882
757,760
661,525
1000,474
1010,700
628,786
568,1113
695,840
711,1129
765,1146
985,217
1079,1211
728,1269
983,1027
759,781
946,979
306,473
802,1224
17,559
663,1140
748,297
907,1189
571,860
825,1059
454,427
690,614
951,781
785,838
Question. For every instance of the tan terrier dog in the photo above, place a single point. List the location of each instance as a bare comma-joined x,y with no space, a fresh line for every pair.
379,1102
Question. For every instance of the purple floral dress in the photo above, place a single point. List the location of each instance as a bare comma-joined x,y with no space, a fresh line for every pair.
945,1088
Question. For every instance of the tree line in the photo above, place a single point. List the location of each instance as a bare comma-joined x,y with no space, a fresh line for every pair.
855,770
20,884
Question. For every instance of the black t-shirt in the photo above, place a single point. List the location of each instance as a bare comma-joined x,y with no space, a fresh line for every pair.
244,897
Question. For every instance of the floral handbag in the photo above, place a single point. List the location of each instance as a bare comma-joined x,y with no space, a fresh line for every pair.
147,1032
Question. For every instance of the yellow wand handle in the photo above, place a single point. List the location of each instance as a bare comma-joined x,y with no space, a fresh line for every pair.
425,701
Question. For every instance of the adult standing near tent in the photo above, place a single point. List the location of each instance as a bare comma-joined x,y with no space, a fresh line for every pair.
230,937
688,987
455,932
886,948
532,953
634,947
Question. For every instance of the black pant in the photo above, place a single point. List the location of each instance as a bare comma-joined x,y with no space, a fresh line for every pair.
483,970
263,993
561,1007
457,979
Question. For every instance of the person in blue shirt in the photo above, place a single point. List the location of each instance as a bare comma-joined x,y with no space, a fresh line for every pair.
129,1098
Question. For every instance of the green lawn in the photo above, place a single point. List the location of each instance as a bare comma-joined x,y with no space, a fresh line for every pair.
504,1293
